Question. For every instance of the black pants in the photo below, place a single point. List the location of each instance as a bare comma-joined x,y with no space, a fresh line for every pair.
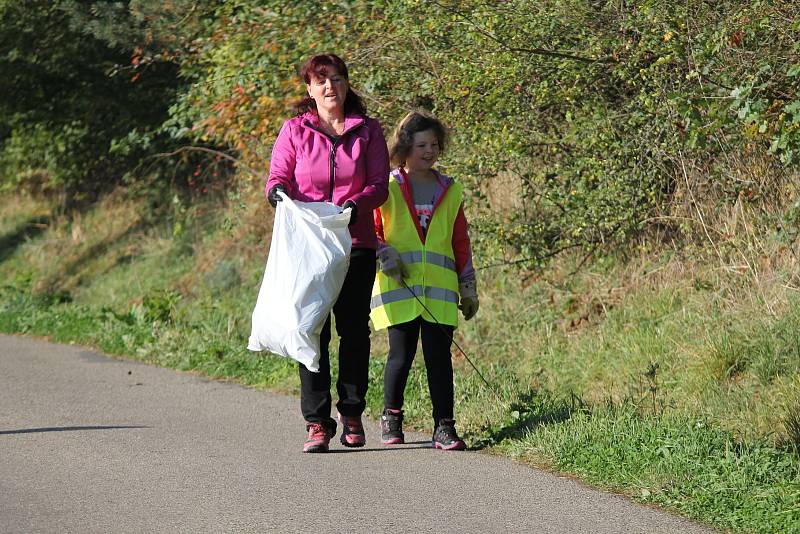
352,324
436,341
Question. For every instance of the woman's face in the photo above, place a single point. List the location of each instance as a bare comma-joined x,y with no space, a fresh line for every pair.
424,151
329,91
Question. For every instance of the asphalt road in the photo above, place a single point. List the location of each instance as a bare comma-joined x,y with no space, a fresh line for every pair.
93,444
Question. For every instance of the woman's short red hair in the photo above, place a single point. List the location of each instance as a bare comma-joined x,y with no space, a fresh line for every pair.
319,66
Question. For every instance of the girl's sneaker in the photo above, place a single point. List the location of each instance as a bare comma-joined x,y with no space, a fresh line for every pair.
446,438
392,427
352,431
319,436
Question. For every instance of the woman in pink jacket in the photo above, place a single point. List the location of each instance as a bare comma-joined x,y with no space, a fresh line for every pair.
332,151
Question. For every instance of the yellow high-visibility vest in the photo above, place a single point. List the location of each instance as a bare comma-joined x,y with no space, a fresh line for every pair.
432,279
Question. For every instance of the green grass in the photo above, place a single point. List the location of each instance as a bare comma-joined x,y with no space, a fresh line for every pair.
663,393
701,471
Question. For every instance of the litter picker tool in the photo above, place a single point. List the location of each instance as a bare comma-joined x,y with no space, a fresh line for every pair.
486,382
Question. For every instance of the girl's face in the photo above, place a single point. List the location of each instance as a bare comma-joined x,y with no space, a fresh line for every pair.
329,91
424,151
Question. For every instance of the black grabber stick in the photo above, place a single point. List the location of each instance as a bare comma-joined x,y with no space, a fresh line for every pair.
488,385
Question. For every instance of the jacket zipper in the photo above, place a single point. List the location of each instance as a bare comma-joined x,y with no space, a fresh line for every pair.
332,157
332,167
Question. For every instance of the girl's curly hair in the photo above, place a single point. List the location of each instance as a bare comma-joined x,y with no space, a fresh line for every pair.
403,136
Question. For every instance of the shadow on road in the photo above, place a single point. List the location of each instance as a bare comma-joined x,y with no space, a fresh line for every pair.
65,429
405,447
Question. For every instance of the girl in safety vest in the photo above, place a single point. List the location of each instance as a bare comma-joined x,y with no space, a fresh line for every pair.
425,268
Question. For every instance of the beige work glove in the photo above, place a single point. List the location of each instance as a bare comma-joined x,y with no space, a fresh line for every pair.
469,299
391,264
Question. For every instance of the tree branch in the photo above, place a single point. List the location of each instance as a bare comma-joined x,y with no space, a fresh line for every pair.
219,153
533,51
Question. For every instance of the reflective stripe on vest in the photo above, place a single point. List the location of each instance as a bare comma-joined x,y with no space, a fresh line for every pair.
430,257
432,279
412,293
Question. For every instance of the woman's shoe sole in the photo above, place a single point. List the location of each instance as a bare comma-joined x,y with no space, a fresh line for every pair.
457,446
352,445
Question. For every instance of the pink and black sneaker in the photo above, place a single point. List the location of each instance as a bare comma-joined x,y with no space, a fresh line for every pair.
392,427
318,439
352,431
446,438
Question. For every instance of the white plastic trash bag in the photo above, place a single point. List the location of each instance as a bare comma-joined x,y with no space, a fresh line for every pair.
306,267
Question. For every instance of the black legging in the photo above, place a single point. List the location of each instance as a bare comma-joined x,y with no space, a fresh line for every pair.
352,325
436,341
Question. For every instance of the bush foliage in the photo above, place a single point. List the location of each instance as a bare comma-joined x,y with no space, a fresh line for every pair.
575,122
76,113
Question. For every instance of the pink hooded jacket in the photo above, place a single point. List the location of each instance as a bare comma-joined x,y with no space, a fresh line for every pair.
313,167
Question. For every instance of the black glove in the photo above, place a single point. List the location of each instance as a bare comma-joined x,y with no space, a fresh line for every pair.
273,195
353,214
